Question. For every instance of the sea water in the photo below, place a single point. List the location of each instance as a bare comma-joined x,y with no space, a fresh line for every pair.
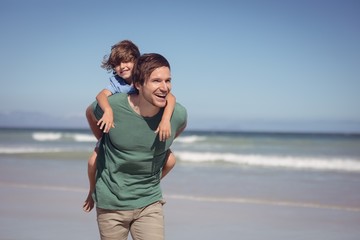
291,151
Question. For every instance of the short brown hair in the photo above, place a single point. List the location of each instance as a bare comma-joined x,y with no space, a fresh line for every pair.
145,65
124,51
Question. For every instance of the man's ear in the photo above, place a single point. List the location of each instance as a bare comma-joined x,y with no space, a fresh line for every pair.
137,86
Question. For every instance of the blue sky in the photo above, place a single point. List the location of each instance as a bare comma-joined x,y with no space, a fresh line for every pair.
244,65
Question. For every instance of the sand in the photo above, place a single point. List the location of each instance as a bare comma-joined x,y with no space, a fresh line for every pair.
42,200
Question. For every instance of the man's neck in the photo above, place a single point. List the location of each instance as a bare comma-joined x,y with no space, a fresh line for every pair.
141,106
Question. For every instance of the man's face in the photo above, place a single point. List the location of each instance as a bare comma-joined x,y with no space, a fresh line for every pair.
124,70
157,87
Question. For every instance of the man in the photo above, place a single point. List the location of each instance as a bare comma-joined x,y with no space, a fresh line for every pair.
129,165
120,61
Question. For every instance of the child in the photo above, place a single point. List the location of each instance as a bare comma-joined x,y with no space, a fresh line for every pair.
121,60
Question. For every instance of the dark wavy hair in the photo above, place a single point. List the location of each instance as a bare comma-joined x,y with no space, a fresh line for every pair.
124,51
145,65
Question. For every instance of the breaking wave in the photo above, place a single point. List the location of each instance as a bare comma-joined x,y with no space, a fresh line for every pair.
294,162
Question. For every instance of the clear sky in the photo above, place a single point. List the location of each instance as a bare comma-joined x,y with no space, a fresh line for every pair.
244,65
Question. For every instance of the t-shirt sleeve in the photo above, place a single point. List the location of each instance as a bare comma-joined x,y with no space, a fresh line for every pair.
119,86
113,86
180,116
98,112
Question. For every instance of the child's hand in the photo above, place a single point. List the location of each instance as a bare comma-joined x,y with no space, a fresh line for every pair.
164,130
107,121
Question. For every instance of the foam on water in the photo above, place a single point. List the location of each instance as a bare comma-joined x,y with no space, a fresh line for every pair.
190,139
84,138
46,136
294,162
17,150
57,136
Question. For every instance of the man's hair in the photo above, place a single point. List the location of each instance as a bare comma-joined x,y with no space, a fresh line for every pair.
145,65
124,51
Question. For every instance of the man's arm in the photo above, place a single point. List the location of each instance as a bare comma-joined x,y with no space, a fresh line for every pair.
181,129
170,158
93,122
106,122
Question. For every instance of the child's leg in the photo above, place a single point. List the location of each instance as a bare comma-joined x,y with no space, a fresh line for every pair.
89,202
169,164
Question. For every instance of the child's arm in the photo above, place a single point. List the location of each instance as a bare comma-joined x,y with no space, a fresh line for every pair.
107,120
164,128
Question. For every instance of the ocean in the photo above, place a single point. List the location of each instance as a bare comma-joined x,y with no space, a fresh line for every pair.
224,184
287,151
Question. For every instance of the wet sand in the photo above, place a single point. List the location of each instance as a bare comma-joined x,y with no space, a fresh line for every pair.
42,200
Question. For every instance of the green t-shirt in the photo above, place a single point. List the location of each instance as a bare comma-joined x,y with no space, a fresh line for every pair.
131,157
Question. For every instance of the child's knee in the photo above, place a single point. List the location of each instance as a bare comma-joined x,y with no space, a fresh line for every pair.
92,158
171,160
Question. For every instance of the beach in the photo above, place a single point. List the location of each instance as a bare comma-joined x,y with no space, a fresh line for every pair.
42,200
42,193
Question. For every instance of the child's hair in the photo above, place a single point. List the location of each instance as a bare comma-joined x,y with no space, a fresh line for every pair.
124,51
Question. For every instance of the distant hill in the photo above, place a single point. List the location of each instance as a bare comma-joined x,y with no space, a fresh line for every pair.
40,120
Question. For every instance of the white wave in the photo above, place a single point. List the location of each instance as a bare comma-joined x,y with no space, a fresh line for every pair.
46,136
84,138
14,150
274,161
190,139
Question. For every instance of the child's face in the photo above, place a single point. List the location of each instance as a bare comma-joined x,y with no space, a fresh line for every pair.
124,70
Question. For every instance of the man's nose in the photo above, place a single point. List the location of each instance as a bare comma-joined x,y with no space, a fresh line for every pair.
164,86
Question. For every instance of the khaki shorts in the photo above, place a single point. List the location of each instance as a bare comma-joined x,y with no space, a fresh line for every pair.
143,223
